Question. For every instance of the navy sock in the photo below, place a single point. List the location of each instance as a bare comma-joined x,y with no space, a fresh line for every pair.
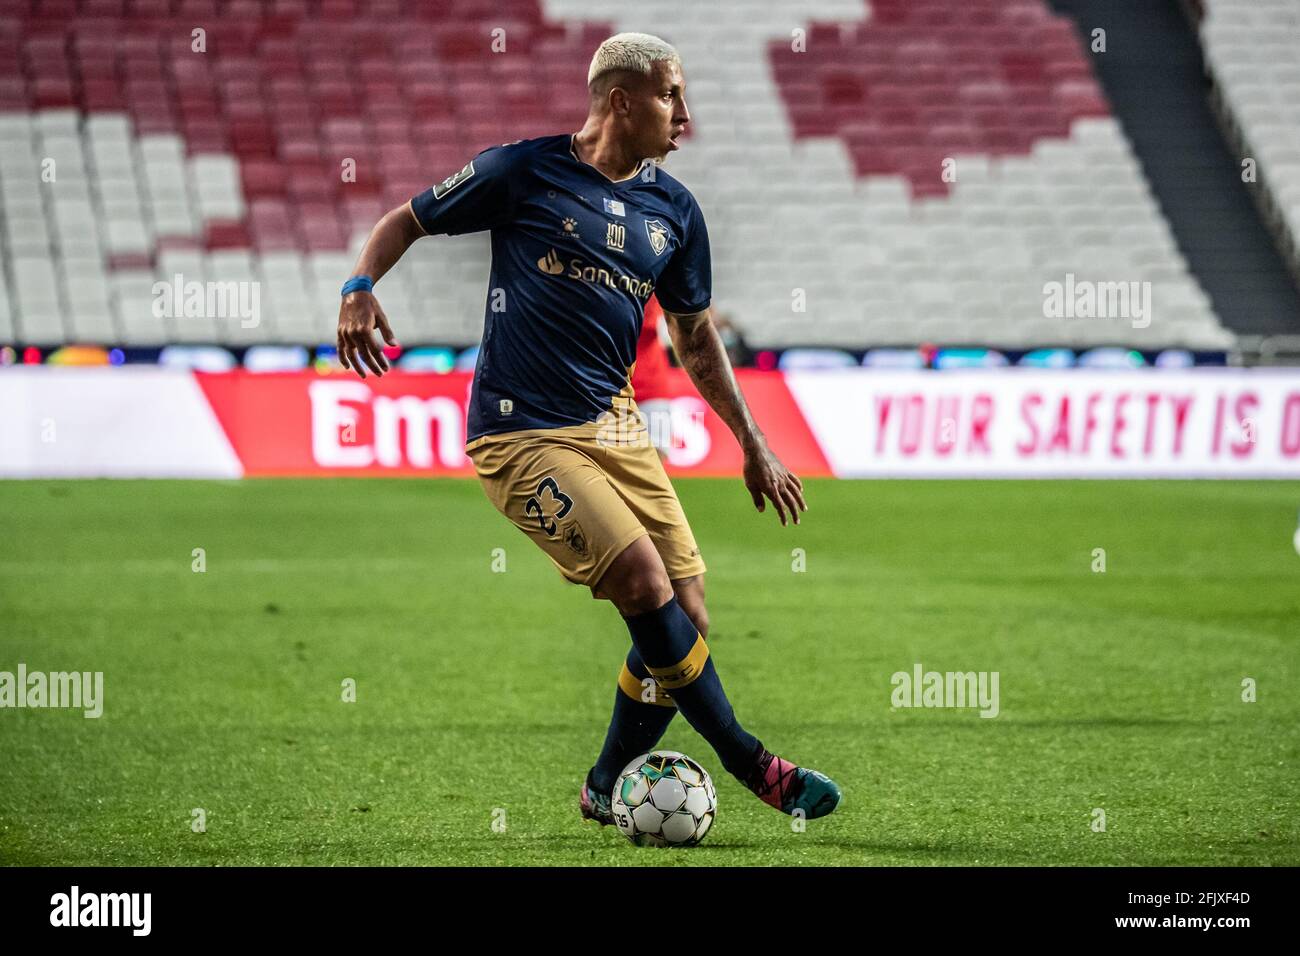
676,655
636,726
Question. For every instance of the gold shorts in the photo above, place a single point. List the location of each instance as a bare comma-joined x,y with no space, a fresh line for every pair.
583,499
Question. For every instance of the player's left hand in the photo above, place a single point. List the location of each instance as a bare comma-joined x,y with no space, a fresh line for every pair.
765,476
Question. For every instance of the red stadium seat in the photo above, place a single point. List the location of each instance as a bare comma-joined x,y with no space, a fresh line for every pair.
262,177
225,235
102,96
977,75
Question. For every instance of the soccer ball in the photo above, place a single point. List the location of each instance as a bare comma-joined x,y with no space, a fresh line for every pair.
664,798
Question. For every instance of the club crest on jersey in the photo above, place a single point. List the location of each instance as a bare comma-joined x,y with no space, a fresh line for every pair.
454,180
576,540
658,234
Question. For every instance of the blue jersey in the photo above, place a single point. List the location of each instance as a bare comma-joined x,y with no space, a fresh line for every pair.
575,256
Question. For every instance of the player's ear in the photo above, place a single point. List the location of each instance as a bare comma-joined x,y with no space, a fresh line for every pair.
619,102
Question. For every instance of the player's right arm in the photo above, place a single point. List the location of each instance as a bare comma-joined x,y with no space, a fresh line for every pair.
477,197
360,313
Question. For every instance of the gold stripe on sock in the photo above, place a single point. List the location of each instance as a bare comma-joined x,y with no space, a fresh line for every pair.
648,693
684,671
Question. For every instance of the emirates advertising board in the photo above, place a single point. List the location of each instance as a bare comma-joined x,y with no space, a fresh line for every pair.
147,422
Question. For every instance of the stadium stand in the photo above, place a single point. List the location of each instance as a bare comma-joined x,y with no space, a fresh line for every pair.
1154,75
1253,51
129,155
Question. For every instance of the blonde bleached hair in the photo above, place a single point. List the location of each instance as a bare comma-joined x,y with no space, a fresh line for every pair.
637,52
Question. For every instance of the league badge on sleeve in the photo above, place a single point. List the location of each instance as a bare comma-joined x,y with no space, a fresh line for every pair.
451,182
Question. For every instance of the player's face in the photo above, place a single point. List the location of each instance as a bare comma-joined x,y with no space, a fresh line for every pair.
659,110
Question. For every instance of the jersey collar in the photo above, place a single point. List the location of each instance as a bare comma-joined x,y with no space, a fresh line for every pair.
573,151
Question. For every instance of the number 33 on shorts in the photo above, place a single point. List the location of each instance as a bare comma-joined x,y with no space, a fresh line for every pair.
584,502
548,505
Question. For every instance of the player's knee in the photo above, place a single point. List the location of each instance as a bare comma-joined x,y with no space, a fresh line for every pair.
642,591
636,581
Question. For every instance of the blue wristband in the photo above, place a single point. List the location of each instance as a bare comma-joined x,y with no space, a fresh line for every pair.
358,284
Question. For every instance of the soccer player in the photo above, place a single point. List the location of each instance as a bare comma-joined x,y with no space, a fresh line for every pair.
584,228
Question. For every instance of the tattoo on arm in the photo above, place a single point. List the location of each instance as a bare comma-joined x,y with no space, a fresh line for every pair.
702,354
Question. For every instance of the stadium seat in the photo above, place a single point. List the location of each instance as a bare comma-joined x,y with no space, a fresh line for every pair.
823,168
1251,48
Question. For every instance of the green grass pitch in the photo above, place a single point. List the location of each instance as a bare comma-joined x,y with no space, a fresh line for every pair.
483,696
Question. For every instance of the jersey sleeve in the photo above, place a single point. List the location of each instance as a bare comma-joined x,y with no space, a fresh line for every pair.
480,196
686,284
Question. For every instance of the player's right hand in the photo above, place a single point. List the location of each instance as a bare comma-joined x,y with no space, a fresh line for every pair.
359,316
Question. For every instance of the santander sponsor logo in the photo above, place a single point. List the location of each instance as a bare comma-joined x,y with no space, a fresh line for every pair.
352,427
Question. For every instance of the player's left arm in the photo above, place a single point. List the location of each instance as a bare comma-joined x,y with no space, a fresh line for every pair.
700,350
